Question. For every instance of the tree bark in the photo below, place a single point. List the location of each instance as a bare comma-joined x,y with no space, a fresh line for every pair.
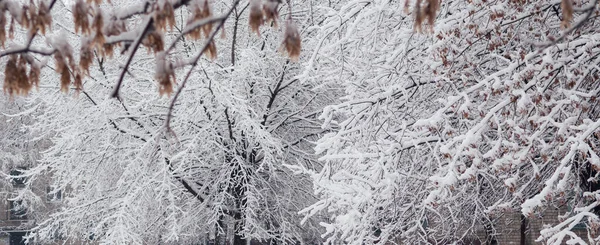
524,225
239,194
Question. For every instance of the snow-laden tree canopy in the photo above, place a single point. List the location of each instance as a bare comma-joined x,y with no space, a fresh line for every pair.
180,118
366,121
446,122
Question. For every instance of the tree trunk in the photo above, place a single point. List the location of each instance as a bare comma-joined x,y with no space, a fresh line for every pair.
490,233
239,194
524,225
238,239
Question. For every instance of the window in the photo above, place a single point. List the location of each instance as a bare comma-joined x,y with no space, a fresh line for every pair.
16,238
53,195
17,211
17,181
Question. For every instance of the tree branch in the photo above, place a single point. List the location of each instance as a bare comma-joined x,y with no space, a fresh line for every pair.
135,47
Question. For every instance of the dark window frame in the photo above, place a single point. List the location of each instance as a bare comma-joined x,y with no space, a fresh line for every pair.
55,197
13,237
18,182
14,214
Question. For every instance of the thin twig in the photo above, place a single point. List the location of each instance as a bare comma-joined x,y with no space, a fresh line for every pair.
30,41
135,47
195,63
194,25
588,13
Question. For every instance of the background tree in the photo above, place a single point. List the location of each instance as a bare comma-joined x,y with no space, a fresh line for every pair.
138,168
486,107
441,117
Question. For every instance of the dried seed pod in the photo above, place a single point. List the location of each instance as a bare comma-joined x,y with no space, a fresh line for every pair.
256,15
80,10
63,70
43,18
200,12
206,12
86,55
114,27
98,25
97,2
63,58
154,42
164,15
15,76
34,74
271,11
211,50
25,21
196,33
78,80
431,11
165,74
567,11
292,42
418,16
65,81
107,50
10,76
406,6
23,83
11,29
427,12
2,28
32,14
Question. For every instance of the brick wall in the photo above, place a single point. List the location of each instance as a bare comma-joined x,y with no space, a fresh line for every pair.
508,227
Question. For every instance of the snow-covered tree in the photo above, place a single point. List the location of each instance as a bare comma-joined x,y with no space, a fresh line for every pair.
214,157
442,116
456,111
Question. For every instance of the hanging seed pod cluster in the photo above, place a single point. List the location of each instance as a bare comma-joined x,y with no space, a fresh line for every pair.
103,28
22,71
267,12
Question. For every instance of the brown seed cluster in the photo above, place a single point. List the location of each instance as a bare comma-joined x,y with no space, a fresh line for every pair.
271,11
22,72
35,18
164,15
292,41
80,17
16,78
267,11
425,11
43,19
154,41
2,29
211,50
86,55
165,74
62,68
97,2
567,12
113,28
200,11
263,12
97,25
256,16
